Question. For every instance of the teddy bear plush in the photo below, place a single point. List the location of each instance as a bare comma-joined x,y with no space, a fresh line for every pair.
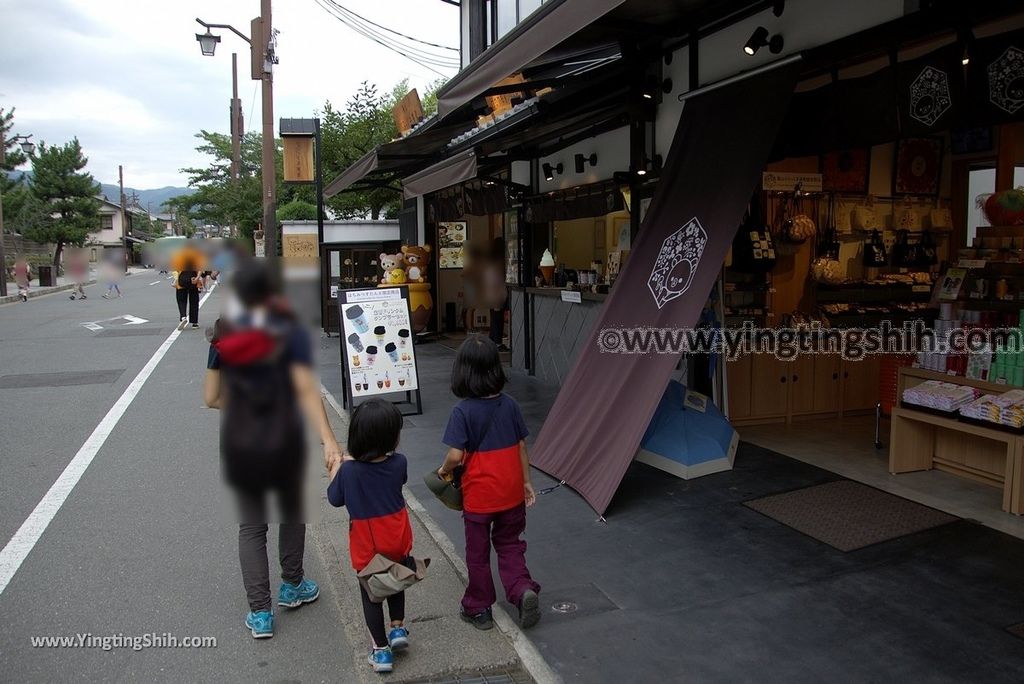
394,273
416,260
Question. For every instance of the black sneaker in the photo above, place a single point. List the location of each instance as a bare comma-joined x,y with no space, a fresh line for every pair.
195,325
481,620
529,609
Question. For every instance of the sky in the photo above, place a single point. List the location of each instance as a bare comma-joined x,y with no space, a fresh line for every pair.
128,79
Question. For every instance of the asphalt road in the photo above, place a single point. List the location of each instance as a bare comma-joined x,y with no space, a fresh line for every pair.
144,542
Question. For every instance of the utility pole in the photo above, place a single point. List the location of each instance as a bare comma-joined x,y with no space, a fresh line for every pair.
124,215
3,259
269,170
237,129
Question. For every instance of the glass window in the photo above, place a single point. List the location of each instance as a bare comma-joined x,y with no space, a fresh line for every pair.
527,7
507,17
982,182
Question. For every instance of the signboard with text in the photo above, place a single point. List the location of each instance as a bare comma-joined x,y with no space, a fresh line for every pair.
378,345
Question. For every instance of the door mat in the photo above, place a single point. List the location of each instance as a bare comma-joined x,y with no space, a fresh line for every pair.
848,515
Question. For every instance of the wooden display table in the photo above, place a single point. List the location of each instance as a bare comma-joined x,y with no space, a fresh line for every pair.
921,441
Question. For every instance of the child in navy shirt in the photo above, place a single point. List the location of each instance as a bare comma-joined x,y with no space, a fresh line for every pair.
486,435
368,481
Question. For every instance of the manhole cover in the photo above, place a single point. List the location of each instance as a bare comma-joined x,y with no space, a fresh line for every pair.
564,607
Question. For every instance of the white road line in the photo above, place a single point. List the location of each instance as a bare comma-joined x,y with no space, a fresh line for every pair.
155,282
25,539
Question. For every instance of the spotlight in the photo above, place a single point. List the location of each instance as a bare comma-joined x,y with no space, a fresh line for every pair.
759,38
778,7
581,160
641,171
550,171
967,40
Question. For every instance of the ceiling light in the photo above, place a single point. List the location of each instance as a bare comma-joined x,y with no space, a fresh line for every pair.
641,172
778,7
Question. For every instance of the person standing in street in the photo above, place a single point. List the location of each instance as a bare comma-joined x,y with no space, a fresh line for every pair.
22,276
112,272
260,375
187,265
78,271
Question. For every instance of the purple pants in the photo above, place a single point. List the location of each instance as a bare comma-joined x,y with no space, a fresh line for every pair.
502,529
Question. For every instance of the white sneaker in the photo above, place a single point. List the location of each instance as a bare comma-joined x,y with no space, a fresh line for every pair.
184,322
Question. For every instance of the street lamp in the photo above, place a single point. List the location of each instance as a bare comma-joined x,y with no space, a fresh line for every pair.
262,59
28,147
207,42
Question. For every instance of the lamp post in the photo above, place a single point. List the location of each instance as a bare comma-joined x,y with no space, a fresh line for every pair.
263,58
28,147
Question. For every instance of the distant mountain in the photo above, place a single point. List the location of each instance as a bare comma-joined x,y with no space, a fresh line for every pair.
152,200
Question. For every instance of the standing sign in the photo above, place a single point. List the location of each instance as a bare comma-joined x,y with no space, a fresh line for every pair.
378,355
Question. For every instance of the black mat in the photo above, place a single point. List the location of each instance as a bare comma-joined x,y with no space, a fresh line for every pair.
848,515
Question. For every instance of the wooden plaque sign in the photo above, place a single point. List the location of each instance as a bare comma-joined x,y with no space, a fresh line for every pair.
408,112
298,159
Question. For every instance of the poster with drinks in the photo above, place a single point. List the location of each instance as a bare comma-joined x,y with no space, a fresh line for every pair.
377,342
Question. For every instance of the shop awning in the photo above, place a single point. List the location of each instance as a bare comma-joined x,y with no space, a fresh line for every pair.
555,21
367,164
457,169
595,427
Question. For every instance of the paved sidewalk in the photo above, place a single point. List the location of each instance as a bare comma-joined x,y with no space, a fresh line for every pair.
686,583
442,645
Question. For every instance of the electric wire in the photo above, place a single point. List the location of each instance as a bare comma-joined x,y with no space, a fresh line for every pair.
423,58
391,30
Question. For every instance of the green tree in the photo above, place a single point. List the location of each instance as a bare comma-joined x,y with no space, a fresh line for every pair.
296,210
218,200
13,156
347,135
67,195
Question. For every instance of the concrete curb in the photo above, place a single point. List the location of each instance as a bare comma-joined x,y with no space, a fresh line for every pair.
530,657
33,294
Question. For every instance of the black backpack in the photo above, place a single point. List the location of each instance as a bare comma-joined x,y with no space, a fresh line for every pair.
185,279
262,439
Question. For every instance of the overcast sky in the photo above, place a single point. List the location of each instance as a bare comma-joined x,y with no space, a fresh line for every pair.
128,79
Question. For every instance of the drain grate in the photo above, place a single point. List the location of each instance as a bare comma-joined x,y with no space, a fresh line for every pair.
479,677
66,379
1016,630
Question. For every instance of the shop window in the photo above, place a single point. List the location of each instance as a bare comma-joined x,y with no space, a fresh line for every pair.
982,182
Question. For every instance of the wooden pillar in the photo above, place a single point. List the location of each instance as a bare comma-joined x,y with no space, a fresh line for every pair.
1010,137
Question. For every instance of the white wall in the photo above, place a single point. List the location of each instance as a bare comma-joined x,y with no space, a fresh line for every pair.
804,24
612,151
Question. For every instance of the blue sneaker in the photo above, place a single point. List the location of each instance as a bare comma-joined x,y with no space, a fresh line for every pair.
294,595
398,637
381,660
261,623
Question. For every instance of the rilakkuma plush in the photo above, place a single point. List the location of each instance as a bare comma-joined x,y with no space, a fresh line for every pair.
390,263
416,260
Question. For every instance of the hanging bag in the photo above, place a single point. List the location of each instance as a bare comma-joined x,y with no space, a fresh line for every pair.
926,256
753,250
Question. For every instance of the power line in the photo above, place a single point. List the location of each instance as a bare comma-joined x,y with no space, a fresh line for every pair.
390,30
422,57
355,22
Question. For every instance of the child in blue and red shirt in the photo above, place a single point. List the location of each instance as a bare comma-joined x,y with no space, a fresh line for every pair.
486,435
369,483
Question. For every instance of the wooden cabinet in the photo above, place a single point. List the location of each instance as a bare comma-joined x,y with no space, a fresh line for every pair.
860,384
826,383
738,376
769,386
801,384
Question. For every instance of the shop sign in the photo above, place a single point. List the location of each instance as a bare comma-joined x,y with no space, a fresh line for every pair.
378,350
298,159
785,181
572,296
408,112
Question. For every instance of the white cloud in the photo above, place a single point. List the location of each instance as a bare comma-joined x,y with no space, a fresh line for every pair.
129,81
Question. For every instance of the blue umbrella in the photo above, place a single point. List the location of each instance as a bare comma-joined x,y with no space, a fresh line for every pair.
685,441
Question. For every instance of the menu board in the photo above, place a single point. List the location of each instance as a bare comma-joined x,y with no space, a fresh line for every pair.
451,239
377,342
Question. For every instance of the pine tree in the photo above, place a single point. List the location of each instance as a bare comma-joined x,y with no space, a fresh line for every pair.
68,194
